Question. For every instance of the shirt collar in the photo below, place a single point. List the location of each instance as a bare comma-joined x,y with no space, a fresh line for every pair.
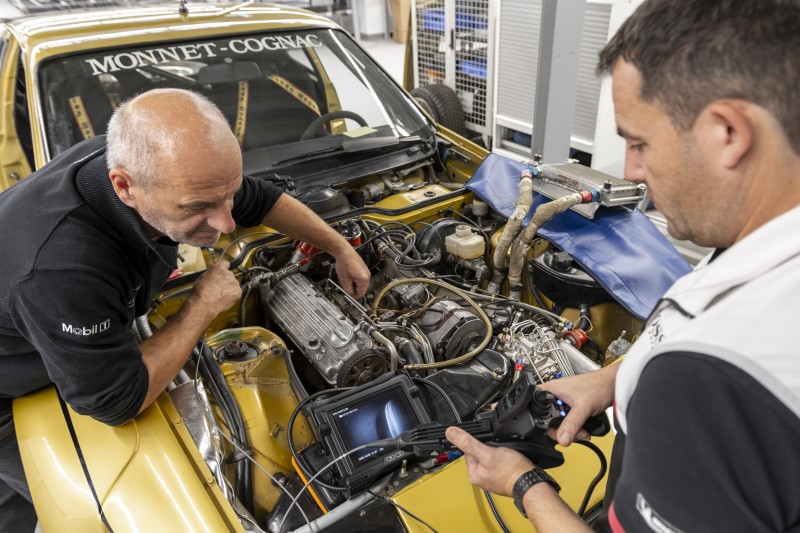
759,252
95,187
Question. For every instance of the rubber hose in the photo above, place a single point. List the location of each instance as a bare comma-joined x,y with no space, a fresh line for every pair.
481,314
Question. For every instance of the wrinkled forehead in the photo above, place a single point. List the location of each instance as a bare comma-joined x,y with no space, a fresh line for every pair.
203,164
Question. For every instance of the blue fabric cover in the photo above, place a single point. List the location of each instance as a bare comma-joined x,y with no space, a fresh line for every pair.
621,249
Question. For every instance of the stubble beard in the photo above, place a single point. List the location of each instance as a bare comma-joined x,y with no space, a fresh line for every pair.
197,237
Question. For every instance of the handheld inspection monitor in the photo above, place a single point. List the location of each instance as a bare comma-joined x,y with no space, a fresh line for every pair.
379,410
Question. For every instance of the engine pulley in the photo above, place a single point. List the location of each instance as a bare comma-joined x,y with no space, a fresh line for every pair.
362,367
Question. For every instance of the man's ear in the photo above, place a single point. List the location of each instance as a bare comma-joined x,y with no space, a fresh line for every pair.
729,126
123,185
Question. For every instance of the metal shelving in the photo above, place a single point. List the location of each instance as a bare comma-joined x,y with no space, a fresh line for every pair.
452,45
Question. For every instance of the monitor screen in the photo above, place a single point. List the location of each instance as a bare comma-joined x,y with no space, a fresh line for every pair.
380,416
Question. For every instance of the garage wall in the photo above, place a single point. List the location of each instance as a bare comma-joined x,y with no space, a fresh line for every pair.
517,63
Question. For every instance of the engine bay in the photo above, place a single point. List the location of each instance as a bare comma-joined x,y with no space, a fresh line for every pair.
297,340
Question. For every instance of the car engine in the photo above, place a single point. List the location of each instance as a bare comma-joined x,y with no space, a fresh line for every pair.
424,312
430,314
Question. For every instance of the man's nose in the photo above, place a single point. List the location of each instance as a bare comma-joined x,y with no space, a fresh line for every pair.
634,169
221,220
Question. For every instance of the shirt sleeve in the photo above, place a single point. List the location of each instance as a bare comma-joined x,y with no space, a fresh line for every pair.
709,448
253,200
80,325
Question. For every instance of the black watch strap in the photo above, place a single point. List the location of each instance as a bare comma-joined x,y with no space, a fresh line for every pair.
528,480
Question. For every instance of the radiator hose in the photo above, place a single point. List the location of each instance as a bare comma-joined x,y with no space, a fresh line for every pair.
522,244
521,208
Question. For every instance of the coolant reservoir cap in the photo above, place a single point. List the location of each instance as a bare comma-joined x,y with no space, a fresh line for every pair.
562,262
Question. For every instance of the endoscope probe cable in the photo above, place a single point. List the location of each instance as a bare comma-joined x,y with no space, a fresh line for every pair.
290,429
242,451
597,478
313,478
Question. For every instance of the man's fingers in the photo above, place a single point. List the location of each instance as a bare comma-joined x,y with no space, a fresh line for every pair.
571,426
471,462
359,289
222,265
466,442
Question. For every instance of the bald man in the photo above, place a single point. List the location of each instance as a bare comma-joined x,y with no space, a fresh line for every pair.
95,236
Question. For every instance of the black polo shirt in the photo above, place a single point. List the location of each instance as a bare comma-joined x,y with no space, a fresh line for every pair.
76,270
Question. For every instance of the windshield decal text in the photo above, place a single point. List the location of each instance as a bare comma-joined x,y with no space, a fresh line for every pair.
198,51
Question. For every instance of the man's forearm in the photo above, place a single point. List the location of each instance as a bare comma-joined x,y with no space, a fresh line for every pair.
549,513
292,218
165,353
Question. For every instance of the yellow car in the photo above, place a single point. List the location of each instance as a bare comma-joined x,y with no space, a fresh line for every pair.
257,411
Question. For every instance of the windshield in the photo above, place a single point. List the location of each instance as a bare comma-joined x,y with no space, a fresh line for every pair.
285,94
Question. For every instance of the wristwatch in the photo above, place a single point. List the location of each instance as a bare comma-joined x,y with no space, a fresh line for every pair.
528,480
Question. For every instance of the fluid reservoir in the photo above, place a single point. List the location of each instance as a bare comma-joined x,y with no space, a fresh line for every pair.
190,258
465,243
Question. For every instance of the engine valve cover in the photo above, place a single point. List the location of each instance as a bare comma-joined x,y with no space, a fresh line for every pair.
316,326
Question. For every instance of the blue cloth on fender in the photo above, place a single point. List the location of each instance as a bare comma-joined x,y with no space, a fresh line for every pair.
620,248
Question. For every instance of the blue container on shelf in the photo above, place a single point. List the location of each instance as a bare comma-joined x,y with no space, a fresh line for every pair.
475,67
433,20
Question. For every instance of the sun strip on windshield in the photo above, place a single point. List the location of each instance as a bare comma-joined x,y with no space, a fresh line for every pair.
241,111
295,91
337,126
81,117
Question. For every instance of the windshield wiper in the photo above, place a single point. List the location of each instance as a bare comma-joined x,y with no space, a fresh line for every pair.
352,146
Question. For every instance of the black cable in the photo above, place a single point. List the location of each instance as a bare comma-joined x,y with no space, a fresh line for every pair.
290,439
537,296
406,511
243,305
495,512
378,235
585,317
541,311
597,478
212,375
442,392
84,467
401,257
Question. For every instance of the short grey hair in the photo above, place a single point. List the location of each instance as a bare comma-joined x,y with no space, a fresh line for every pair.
136,139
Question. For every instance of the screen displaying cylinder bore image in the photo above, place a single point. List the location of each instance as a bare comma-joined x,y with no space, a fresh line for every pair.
382,416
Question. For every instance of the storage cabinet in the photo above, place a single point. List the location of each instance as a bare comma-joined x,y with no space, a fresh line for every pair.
517,42
452,45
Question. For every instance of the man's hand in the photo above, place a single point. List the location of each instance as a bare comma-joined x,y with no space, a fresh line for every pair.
587,395
166,351
292,218
353,273
216,290
493,469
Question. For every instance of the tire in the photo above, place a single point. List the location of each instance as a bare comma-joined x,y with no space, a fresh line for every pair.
442,103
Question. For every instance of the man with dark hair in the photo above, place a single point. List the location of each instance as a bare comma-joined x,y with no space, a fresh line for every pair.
707,402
